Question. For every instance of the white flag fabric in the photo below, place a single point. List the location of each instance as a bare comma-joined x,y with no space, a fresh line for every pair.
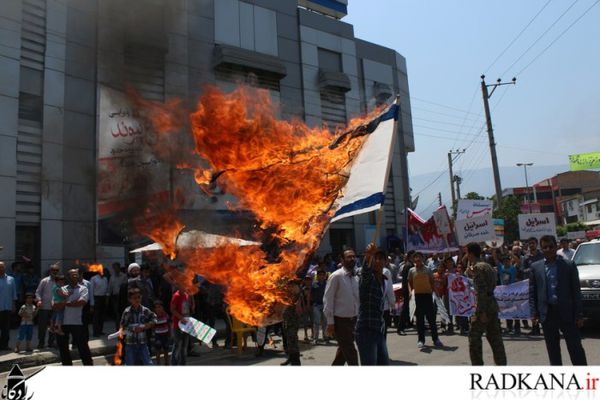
365,189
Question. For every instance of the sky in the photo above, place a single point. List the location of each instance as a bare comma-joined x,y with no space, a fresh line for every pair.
552,111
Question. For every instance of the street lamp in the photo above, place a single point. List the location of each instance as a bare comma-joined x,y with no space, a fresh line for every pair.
525,165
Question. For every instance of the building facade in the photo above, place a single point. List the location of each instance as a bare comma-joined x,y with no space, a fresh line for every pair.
56,55
572,196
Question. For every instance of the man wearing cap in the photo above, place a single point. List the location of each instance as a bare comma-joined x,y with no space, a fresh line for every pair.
43,298
565,251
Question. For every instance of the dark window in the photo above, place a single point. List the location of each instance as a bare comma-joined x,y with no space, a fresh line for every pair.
30,107
330,60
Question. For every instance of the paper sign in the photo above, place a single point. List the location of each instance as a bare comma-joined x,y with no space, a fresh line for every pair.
442,221
477,230
576,235
198,329
513,300
460,296
473,208
536,225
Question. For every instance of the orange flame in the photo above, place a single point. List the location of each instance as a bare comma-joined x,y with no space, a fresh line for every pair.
96,268
118,359
284,172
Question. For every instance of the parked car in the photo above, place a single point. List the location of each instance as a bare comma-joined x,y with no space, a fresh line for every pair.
587,259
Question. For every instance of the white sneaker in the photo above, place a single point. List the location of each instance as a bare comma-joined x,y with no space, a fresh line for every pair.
420,345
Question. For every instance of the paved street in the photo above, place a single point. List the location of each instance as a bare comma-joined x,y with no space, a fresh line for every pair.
522,350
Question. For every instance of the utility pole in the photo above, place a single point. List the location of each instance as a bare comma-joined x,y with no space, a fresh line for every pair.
440,198
451,153
488,120
458,181
525,165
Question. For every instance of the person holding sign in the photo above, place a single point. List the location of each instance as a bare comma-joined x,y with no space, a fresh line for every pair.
486,311
555,300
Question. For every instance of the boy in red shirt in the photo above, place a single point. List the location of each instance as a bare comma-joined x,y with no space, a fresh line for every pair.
181,308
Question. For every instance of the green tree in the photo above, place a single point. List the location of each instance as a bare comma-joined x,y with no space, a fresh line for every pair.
509,211
474,196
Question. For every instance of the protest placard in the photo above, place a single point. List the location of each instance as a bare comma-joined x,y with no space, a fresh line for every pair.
478,229
424,236
198,329
513,300
460,296
536,225
473,208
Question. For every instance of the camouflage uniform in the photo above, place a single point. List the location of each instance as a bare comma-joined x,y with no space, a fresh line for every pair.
291,325
484,280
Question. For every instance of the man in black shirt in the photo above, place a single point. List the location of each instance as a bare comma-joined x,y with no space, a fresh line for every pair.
534,255
404,315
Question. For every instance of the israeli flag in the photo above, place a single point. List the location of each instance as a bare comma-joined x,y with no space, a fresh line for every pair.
365,190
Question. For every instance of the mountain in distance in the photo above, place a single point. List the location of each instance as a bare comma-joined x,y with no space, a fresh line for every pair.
478,180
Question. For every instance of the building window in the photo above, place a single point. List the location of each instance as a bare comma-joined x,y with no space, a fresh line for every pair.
333,98
246,25
31,107
589,208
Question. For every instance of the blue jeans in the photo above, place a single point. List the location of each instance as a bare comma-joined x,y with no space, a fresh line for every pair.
137,354
25,333
372,348
180,345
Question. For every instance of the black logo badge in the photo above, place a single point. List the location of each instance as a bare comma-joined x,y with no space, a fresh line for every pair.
16,387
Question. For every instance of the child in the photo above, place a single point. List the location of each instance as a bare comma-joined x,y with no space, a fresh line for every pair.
59,296
136,320
27,313
162,332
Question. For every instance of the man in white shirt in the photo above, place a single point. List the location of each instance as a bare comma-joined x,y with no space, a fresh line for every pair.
340,306
100,289
43,297
73,322
565,251
117,278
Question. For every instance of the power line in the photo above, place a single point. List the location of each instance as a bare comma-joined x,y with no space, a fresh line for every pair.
459,117
445,130
540,37
517,37
441,105
558,37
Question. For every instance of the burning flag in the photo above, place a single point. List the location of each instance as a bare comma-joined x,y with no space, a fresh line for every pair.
292,178
365,190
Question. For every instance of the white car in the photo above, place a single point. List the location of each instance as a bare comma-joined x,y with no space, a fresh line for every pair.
587,259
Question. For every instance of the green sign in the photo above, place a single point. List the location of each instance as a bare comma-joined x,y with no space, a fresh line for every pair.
581,162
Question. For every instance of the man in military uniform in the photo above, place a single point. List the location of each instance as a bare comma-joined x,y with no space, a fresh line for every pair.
291,324
486,311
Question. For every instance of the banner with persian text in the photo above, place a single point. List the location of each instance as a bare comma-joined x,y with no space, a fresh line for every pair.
513,300
477,229
585,161
536,225
126,169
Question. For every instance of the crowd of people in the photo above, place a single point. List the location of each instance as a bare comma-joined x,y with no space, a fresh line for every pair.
350,299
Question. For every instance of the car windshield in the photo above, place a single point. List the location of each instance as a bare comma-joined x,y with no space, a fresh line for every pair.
587,254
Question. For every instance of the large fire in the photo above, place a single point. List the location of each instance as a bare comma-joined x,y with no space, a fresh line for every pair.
287,174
